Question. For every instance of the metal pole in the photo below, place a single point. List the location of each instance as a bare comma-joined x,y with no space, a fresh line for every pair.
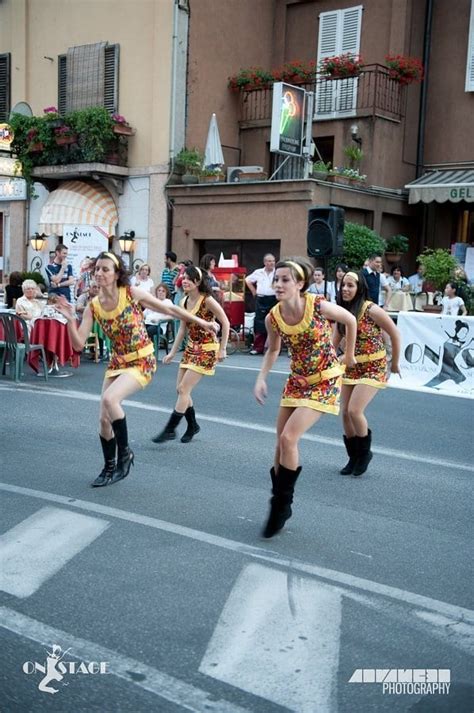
309,132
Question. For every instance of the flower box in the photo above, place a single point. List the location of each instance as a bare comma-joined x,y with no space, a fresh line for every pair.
36,147
123,130
249,177
65,140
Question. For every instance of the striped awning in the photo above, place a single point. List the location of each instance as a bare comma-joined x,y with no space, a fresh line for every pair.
442,186
78,203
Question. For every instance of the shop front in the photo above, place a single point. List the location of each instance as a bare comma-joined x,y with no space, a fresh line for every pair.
13,201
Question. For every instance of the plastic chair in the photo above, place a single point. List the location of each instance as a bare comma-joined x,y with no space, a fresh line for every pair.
160,338
17,350
92,341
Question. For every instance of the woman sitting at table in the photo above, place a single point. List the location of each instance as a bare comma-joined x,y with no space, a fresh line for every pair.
152,317
400,300
118,309
27,306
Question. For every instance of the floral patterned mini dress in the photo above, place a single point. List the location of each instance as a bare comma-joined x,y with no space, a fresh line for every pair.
132,350
370,353
315,378
200,353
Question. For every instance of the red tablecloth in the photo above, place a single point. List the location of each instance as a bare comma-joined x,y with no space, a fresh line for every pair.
54,336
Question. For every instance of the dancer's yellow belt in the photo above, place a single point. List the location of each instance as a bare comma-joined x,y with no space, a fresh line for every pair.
321,376
133,356
206,347
360,358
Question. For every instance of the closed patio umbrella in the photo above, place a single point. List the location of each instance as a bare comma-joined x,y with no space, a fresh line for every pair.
213,155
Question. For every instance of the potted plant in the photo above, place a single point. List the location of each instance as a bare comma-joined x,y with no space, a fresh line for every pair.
404,70
354,154
210,175
396,246
438,268
191,161
96,135
64,135
121,126
251,78
296,72
321,170
359,242
341,66
51,115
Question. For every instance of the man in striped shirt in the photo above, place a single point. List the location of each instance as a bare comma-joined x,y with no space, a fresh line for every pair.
170,272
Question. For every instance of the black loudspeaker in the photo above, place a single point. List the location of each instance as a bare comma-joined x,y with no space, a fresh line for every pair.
325,236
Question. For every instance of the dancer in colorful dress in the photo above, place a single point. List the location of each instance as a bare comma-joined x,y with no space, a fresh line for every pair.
301,320
364,380
201,353
118,310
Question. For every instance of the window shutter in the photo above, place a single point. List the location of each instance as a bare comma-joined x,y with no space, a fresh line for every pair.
62,84
339,33
351,20
111,78
470,54
4,86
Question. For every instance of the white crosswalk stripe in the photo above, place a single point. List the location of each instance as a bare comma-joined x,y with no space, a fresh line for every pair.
38,547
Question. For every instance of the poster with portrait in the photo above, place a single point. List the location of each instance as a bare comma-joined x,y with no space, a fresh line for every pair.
84,241
437,354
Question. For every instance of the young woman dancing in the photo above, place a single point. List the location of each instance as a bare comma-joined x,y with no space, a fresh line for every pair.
363,381
201,353
118,310
301,320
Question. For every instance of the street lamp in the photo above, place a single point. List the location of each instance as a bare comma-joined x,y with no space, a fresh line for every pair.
127,242
37,241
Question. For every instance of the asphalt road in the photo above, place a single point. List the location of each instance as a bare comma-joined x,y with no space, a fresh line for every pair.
164,581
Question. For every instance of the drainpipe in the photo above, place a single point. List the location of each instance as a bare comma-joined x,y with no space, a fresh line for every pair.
420,153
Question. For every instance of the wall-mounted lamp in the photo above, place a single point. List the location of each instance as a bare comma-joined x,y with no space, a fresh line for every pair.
355,134
37,241
127,242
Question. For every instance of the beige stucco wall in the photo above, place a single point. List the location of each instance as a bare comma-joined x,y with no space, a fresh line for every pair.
37,31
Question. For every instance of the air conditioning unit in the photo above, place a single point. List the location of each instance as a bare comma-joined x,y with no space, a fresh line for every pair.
234,172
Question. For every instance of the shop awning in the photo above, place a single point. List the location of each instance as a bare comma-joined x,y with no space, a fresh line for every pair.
78,203
442,186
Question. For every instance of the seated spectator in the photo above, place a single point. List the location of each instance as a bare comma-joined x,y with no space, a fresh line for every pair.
317,287
27,306
152,317
13,290
84,299
142,278
451,303
416,281
397,281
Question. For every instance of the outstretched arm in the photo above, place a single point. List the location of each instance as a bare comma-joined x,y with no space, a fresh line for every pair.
78,335
274,344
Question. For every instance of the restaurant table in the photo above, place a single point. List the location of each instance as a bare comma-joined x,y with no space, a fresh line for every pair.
400,302
54,336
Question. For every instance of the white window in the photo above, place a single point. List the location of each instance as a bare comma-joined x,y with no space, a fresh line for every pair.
339,33
470,54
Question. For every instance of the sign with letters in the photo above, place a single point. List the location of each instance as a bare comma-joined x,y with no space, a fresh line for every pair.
437,354
13,189
84,241
287,119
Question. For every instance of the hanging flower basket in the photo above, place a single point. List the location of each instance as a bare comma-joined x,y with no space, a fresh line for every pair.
404,70
123,129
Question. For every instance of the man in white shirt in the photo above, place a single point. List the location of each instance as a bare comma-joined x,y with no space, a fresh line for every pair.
416,281
260,284
376,281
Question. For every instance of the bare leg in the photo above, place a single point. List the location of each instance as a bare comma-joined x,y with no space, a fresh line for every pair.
114,392
185,384
360,398
348,426
299,421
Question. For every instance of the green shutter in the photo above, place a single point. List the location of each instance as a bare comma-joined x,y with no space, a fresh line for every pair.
62,84
111,79
4,86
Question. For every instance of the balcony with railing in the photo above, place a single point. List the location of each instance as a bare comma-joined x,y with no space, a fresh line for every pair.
373,93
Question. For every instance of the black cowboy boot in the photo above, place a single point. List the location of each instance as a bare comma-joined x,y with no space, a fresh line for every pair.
351,448
193,426
364,454
280,504
108,449
125,456
169,431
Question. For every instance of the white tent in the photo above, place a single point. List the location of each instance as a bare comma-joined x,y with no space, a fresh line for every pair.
213,155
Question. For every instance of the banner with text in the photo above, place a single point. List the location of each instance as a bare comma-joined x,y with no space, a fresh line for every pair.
84,241
437,354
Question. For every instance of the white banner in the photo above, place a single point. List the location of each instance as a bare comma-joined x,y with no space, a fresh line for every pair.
437,354
84,241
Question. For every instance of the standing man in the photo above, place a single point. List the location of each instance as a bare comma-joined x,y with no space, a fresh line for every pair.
170,273
376,281
59,274
260,284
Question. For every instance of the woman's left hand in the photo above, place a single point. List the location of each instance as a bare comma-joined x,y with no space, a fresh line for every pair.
395,369
211,326
221,355
348,360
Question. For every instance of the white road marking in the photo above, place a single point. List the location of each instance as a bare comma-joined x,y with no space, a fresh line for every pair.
278,637
334,442
259,553
161,684
38,547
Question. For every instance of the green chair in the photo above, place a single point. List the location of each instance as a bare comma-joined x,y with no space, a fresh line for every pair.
160,339
17,348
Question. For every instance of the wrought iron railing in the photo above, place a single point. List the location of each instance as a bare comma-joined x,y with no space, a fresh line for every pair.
374,92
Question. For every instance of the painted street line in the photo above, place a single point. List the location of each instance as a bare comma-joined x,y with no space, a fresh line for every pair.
451,611
278,637
41,545
134,672
257,427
